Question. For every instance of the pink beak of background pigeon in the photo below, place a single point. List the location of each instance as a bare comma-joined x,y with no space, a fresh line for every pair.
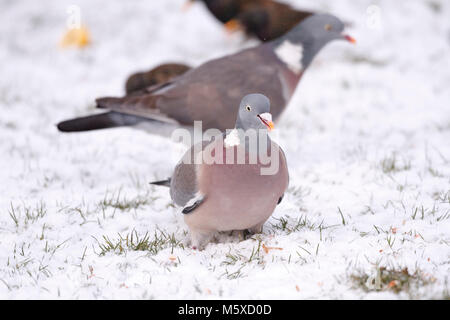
349,38
266,118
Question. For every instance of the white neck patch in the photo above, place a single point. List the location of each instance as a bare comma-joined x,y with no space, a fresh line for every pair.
232,139
291,54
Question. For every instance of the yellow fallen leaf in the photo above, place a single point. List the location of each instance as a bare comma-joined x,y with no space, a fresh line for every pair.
77,37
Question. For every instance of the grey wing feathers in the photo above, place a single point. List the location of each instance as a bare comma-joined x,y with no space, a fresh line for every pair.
189,208
136,105
183,184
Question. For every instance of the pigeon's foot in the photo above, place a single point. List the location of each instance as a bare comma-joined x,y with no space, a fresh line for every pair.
200,238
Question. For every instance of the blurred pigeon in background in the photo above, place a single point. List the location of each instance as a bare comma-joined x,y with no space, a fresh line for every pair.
264,19
211,92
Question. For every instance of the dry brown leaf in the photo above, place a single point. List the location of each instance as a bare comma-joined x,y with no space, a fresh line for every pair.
267,249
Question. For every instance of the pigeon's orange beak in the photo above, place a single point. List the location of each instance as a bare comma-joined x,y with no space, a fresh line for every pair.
233,25
266,118
349,38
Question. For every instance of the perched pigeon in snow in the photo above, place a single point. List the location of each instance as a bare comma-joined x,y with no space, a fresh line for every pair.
264,19
231,195
211,92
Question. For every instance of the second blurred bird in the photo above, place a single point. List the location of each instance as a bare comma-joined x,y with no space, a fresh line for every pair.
160,74
264,19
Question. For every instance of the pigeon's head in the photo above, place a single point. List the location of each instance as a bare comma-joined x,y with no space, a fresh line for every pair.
311,35
254,113
320,28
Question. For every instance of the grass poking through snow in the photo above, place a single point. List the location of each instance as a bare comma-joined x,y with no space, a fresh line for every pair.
395,280
392,164
134,242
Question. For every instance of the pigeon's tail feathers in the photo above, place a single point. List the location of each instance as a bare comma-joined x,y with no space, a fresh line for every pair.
164,183
109,119
139,104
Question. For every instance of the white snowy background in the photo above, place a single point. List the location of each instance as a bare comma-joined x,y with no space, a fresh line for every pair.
367,138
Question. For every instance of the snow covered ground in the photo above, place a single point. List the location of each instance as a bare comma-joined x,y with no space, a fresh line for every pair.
366,137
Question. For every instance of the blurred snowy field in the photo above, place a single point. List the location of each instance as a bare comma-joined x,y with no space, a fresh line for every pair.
367,139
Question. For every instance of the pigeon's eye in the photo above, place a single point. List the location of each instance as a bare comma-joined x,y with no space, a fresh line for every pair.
248,108
328,27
